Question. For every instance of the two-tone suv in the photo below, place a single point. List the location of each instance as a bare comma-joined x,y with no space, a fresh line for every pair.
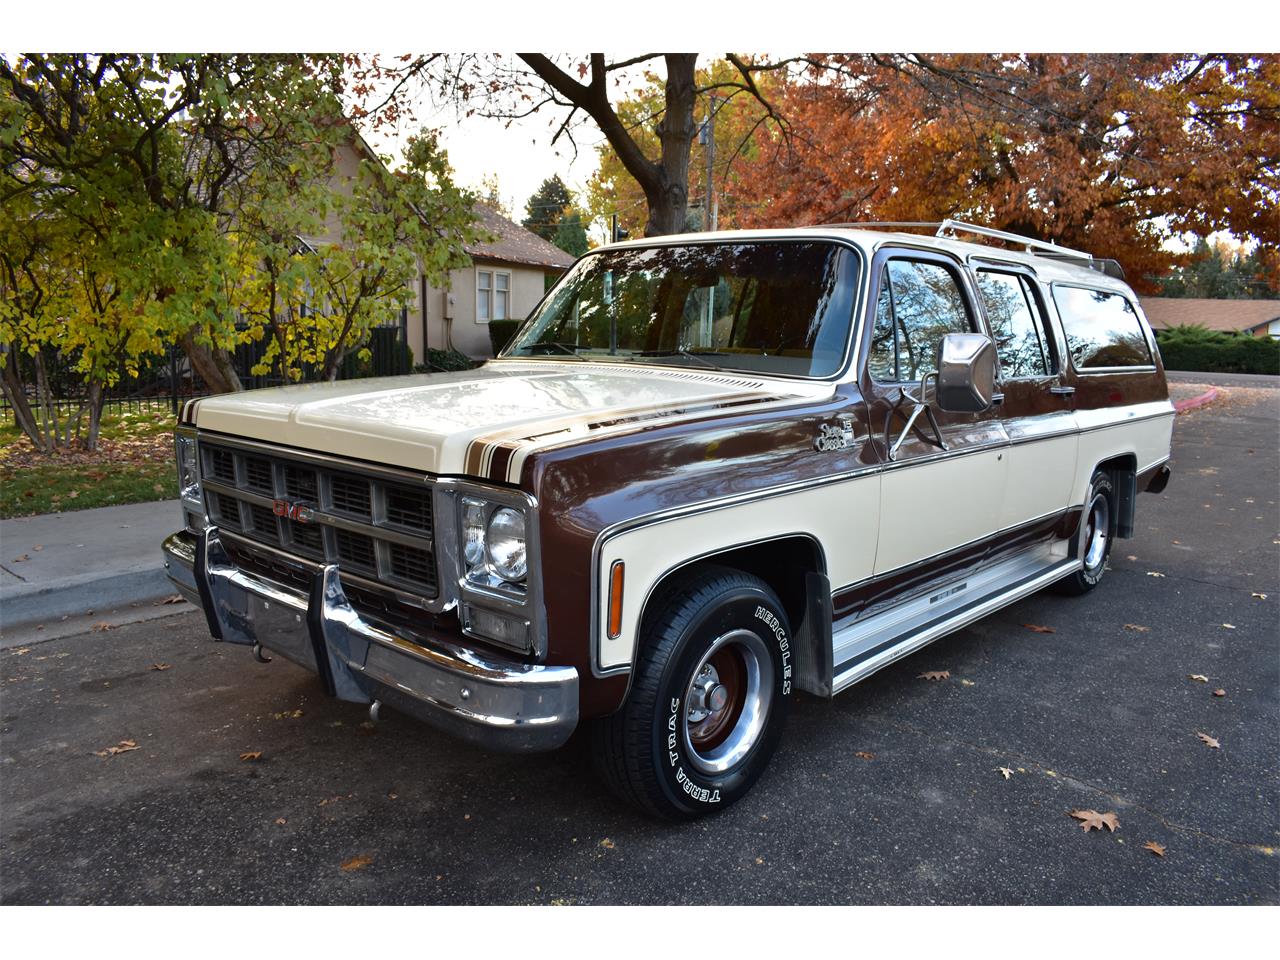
710,471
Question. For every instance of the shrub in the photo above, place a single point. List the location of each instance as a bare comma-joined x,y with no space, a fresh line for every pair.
1196,348
501,332
443,361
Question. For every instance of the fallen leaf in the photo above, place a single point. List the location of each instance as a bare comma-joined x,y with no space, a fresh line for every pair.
21,650
1153,573
1154,847
393,796
1005,772
1131,557
466,816
251,755
281,821
176,598
1229,626
1137,628
1219,693
1208,741
38,547
966,683
1256,596
73,494
101,626
21,558
160,666
287,715
607,843
865,755
124,746
1093,820
1036,628
935,675
1198,676
358,862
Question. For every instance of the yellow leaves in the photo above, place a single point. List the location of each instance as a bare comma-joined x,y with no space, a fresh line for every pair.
1093,820
287,715
124,746
935,676
607,843
251,756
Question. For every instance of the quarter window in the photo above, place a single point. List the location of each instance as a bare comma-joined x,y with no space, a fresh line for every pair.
919,304
1016,324
493,291
1103,329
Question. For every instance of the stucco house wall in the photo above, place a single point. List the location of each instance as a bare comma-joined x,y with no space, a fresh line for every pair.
457,325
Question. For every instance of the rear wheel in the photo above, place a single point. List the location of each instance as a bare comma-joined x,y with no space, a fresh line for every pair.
1095,535
707,701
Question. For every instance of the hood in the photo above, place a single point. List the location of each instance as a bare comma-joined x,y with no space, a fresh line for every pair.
484,422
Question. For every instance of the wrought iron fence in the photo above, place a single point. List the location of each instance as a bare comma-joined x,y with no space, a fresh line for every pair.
168,380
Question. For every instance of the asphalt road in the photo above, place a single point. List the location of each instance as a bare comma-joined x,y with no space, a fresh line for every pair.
1094,715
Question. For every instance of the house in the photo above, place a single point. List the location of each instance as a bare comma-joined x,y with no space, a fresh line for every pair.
505,281
1258,318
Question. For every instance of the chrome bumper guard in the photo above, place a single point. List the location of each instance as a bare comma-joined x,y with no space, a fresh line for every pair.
502,705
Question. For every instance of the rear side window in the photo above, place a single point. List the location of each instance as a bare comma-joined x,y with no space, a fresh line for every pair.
1102,329
919,304
1016,324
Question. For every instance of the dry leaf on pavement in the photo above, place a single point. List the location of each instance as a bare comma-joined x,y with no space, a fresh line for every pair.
358,862
251,755
1154,847
1093,820
1198,676
1137,628
1005,772
101,626
176,598
1259,596
1219,693
1208,741
935,675
1036,628
1229,626
281,821
607,843
865,755
124,746
160,666
1153,573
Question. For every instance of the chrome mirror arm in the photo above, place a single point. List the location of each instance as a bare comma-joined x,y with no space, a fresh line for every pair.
919,404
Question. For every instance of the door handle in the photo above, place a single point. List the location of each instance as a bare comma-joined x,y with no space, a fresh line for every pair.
1062,391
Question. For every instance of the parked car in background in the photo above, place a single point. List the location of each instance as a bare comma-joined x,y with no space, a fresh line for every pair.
710,471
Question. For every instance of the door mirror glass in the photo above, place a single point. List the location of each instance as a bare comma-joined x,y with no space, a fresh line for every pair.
966,372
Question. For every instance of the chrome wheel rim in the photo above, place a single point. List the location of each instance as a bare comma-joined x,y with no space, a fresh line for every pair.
727,702
1097,532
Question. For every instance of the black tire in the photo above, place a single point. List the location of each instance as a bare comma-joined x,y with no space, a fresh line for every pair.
1094,536
670,750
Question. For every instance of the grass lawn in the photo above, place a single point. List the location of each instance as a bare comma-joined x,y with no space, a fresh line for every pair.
133,464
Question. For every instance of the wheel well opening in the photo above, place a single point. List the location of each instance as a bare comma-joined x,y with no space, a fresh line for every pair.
783,564
1123,471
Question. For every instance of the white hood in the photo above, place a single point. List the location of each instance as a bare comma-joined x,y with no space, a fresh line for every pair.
443,423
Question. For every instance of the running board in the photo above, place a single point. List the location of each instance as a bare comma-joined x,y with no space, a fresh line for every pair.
867,646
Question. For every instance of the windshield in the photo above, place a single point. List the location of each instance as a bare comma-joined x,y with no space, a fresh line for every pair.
769,307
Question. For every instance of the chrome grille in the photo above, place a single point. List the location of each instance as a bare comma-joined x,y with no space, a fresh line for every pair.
372,526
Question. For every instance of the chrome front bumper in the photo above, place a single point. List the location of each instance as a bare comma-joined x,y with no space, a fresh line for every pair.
499,704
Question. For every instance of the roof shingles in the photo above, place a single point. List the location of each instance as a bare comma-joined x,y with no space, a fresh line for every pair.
1230,316
515,244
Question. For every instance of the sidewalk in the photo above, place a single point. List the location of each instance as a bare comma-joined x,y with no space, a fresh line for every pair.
58,569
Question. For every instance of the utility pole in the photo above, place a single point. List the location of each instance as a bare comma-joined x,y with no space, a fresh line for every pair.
707,136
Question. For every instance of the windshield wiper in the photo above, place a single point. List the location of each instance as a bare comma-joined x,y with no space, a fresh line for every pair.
700,356
570,349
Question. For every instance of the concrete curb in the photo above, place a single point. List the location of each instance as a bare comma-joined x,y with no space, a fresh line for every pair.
1195,403
75,596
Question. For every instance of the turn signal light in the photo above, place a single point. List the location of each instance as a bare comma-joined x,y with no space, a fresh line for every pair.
615,600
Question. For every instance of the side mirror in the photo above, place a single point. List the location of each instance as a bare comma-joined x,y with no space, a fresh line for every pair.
966,372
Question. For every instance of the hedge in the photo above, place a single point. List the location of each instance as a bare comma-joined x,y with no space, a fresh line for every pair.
501,332
1236,354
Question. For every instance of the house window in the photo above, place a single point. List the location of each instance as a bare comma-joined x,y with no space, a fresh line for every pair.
493,293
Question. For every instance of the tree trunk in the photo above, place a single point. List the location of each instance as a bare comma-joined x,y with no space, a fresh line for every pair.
15,392
95,401
668,199
212,363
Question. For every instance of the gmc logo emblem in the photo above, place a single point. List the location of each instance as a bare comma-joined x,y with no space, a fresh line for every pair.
298,512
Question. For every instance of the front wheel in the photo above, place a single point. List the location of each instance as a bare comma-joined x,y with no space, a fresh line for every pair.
1093,539
708,698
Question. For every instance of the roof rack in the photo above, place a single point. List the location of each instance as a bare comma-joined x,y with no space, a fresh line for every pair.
1040,248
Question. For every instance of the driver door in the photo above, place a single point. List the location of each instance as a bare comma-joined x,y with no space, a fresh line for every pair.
943,483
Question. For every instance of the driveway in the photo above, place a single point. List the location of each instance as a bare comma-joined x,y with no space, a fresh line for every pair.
892,793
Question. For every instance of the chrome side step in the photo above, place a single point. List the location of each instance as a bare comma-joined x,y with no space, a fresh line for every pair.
867,646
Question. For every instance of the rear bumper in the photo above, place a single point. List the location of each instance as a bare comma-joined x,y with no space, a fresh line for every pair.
497,704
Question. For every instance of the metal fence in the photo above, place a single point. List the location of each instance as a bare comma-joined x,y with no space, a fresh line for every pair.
168,380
